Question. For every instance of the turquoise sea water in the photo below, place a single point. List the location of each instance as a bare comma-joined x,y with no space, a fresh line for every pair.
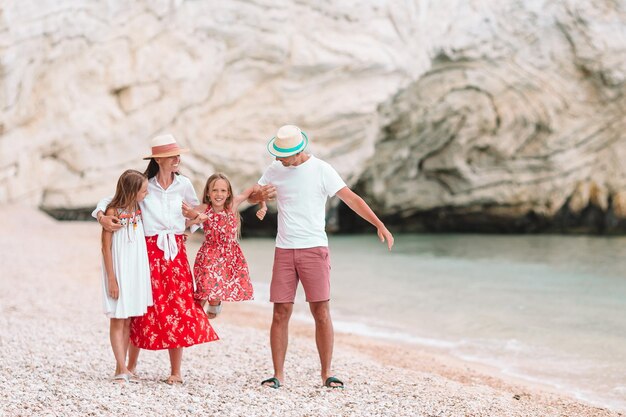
549,309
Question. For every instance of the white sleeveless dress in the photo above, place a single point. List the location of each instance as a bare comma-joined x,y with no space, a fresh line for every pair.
132,270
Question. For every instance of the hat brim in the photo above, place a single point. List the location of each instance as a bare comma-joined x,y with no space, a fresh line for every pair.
287,152
166,154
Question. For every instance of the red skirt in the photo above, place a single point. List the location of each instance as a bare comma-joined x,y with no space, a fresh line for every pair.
175,320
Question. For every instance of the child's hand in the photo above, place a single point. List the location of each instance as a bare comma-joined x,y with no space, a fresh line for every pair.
261,213
114,290
202,218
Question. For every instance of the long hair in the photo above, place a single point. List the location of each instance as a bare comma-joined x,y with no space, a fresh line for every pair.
128,185
228,204
153,168
206,198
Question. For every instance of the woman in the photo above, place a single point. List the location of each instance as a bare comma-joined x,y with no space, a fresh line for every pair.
175,320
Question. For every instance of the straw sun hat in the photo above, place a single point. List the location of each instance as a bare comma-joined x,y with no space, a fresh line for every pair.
289,140
164,146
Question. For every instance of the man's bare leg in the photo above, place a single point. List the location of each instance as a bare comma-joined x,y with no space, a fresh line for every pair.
279,338
324,337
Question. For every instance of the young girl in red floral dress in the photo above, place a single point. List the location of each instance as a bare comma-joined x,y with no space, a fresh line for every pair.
220,270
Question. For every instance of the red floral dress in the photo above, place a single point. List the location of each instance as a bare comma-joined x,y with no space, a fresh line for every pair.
221,271
175,320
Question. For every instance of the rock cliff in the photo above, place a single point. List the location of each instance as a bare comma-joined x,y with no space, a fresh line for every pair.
446,115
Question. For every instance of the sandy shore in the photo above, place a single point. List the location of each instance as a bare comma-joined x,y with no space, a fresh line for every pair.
56,358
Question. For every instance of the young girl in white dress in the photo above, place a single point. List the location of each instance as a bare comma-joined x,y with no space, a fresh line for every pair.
125,268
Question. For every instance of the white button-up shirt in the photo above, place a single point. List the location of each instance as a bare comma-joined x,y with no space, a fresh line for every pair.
161,211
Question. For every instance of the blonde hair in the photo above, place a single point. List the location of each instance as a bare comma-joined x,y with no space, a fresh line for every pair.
206,198
228,204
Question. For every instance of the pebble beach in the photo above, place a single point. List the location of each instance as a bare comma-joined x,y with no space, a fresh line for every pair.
56,359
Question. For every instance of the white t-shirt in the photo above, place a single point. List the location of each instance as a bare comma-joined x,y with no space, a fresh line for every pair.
302,192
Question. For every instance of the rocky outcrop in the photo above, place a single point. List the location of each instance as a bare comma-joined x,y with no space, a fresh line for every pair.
447,115
525,132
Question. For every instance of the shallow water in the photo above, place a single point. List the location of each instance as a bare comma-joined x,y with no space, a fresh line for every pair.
550,309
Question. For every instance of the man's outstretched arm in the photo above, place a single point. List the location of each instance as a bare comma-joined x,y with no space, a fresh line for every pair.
360,207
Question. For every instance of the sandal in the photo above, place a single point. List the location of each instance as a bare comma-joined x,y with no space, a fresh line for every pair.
272,382
121,378
333,379
212,311
174,380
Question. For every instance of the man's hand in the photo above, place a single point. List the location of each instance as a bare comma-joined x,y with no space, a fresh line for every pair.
109,223
384,234
262,193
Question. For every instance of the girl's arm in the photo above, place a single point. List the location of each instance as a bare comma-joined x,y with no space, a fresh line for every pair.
262,210
112,287
237,200
245,195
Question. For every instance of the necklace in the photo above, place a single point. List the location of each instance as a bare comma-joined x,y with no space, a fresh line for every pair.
128,218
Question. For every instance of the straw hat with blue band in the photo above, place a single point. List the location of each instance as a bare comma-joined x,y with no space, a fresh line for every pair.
289,140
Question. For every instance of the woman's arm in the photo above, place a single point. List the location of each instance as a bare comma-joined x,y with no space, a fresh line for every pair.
189,206
108,222
192,212
194,215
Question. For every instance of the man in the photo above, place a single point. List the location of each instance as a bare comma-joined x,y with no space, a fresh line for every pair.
303,184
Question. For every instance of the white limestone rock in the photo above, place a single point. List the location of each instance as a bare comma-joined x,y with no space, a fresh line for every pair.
421,105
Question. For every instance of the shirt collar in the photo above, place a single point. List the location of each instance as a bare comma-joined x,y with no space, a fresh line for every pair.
157,184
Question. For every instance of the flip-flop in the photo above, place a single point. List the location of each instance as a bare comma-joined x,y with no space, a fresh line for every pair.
170,381
332,379
212,311
121,378
275,383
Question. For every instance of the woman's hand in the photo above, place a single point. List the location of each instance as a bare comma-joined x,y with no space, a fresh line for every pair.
189,212
109,223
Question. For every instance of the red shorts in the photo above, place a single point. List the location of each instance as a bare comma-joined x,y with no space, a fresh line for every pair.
311,266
